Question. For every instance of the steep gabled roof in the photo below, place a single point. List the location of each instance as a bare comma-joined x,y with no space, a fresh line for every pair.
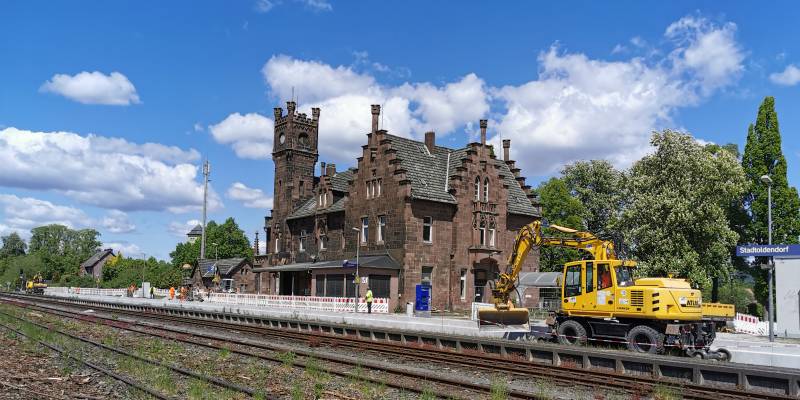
196,231
309,208
209,266
518,201
340,181
425,170
97,257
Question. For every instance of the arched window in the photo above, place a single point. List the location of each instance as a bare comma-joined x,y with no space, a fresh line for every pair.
478,188
486,190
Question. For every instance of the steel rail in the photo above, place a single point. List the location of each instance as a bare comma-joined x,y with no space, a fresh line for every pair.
124,379
455,383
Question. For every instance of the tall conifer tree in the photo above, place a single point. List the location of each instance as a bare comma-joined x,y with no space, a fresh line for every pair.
763,156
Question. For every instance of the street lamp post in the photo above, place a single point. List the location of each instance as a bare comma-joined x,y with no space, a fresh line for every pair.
358,278
768,181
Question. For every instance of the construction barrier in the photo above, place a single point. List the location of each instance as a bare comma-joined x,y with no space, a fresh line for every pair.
745,323
338,304
86,291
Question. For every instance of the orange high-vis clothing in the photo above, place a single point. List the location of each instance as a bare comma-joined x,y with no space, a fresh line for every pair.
171,293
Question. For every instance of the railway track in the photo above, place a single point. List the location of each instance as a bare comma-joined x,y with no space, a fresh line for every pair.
520,368
391,377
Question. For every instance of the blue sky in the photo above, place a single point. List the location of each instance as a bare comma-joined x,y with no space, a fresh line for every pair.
107,108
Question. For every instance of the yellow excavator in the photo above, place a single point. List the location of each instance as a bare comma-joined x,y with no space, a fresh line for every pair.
35,285
602,301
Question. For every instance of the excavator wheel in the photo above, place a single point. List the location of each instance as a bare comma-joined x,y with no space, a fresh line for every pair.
644,339
571,332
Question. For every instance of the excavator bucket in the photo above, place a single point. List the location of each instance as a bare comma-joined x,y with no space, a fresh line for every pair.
513,318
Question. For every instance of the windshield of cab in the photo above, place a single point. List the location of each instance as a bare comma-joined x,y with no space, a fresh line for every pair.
624,275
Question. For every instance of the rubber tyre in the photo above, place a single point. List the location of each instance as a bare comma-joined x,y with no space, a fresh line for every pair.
644,339
571,332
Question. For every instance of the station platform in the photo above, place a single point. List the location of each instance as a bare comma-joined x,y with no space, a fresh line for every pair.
744,348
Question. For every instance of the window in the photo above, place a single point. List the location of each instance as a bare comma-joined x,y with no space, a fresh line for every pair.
603,276
364,230
379,284
301,187
589,277
380,183
320,200
303,236
463,283
319,291
349,286
427,276
482,234
381,227
334,285
427,229
323,242
276,245
477,189
624,275
486,189
491,237
369,189
572,283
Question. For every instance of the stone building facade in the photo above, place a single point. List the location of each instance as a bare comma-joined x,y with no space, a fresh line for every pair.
413,211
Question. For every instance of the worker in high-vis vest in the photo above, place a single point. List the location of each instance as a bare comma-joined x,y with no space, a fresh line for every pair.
369,300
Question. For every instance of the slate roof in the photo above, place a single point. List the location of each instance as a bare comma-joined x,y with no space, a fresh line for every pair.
518,201
224,266
196,231
340,181
427,171
309,208
97,257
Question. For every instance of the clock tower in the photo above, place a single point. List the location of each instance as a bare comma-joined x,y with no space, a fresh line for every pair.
295,154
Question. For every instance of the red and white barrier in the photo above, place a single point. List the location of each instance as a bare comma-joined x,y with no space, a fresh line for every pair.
745,323
338,304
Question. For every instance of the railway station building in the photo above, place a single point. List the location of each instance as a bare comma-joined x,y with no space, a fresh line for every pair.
415,211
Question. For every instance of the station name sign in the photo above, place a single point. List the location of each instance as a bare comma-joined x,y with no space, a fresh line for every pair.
766,250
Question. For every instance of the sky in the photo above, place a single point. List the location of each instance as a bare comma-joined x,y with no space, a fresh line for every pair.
108,109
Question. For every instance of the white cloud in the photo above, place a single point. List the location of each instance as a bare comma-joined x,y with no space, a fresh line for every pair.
198,127
93,88
252,198
28,212
619,49
106,172
265,6
318,5
345,96
789,77
180,229
117,222
582,108
706,51
250,135
128,250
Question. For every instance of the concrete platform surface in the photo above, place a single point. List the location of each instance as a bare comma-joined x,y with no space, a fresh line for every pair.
744,348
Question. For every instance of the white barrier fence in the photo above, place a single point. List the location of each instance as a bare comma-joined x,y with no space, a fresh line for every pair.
745,323
86,291
341,304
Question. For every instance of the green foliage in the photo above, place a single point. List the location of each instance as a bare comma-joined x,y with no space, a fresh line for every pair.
676,219
62,249
31,264
559,207
763,156
13,246
222,241
734,292
131,270
598,186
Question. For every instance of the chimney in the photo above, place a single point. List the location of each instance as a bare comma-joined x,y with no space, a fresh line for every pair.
278,113
430,140
315,114
322,170
483,132
331,169
376,112
506,148
290,106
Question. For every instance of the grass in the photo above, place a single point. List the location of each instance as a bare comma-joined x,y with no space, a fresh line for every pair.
223,353
287,358
542,388
427,394
664,392
499,389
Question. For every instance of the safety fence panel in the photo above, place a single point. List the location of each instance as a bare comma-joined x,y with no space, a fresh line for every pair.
337,304
745,323
85,291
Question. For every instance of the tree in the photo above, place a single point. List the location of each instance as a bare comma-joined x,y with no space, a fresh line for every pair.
62,249
763,156
598,186
13,246
676,221
559,208
222,241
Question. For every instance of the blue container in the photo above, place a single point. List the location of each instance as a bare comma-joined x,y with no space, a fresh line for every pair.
423,302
